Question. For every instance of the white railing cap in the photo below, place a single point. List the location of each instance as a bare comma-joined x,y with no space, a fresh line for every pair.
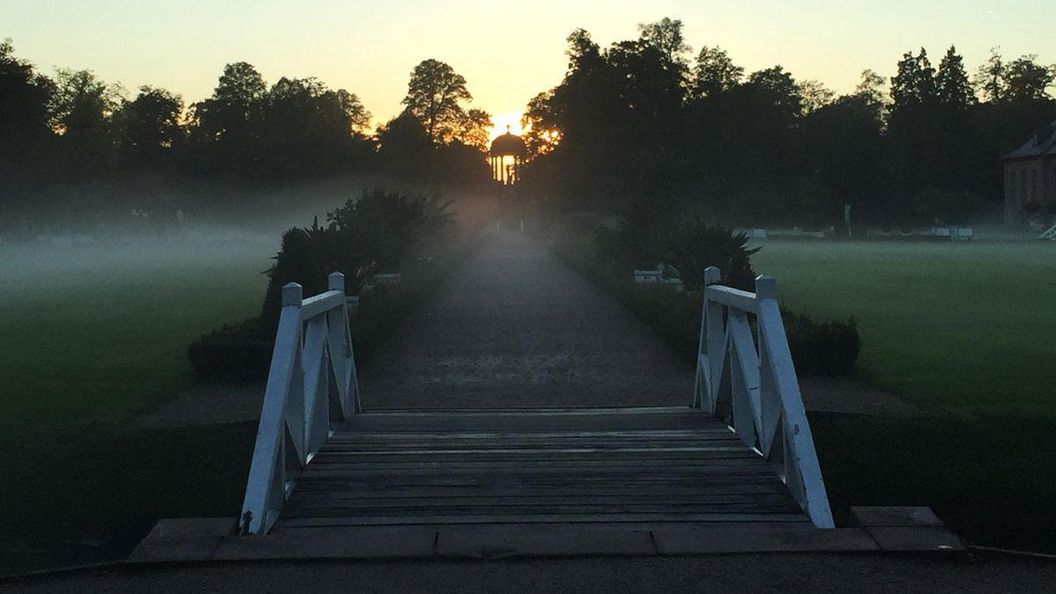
292,294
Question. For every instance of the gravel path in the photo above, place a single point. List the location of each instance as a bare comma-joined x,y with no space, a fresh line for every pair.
515,327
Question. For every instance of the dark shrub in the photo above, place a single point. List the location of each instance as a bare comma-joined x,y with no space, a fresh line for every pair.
694,245
365,235
826,348
237,353
689,246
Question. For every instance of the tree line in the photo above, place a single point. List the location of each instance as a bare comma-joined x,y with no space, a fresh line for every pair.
72,128
644,128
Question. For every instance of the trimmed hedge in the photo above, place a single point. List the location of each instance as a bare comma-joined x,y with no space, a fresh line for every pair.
242,352
236,353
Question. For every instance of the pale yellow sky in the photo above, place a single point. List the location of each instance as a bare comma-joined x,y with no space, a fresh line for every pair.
506,53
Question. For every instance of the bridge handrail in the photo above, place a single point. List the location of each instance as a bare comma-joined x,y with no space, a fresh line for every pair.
754,380
312,345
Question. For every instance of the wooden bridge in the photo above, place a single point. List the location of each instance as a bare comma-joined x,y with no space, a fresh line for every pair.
523,411
737,458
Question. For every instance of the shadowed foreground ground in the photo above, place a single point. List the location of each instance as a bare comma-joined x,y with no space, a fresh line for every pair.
516,327
726,573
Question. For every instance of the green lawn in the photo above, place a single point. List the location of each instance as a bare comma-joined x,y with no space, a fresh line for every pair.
95,333
89,336
965,328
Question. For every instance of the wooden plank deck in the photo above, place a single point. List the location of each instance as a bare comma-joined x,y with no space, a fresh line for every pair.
622,466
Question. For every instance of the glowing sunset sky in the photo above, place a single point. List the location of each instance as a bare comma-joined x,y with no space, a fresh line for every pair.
506,54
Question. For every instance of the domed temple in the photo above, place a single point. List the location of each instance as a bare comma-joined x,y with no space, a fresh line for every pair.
506,157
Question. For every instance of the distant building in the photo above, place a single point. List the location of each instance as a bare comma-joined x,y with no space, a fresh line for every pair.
1030,178
506,157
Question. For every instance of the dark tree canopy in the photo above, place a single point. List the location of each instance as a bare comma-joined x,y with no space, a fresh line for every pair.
715,72
435,95
24,98
952,86
153,123
629,129
236,108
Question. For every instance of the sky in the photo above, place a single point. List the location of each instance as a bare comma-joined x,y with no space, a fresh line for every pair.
508,52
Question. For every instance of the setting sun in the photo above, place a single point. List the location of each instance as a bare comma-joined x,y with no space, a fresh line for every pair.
503,122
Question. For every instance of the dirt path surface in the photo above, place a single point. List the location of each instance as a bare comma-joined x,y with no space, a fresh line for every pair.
515,327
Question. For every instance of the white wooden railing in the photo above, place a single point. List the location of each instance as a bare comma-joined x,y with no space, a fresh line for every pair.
752,379
311,383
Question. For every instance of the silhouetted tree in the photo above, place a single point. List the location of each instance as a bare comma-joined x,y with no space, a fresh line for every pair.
915,82
666,36
236,108
1026,80
309,129
870,88
474,129
715,72
24,99
434,97
82,112
990,77
952,87
815,95
541,132
153,125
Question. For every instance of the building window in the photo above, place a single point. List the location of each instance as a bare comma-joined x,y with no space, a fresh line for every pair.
1022,186
1034,185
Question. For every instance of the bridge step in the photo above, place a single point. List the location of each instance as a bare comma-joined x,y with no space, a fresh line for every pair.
670,465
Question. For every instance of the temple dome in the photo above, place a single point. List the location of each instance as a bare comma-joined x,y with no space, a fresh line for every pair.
508,145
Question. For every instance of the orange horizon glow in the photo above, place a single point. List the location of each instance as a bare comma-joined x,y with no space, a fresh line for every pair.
503,122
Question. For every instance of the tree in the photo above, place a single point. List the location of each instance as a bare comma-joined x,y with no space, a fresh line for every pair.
235,110
358,116
153,124
871,88
779,90
475,129
434,97
666,36
82,112
404,143
309,128
915,82
583,54
715,72
990,77
541,131
24,100
1026,80
815,95
952,87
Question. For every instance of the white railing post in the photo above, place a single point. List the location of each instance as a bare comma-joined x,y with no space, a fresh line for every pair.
345,359
312,379
709,346
266,486
755,379
801,467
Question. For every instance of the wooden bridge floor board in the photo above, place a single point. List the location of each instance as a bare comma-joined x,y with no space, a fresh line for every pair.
569,466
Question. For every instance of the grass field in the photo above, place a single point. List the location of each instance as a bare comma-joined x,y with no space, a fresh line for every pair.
965,331
89,336
963,328
93,333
